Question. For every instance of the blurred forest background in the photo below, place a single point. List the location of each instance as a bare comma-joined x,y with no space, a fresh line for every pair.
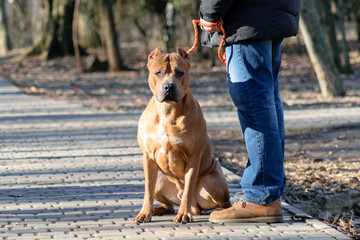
94,52
64,27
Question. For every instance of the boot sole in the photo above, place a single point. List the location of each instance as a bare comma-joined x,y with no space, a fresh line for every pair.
274,219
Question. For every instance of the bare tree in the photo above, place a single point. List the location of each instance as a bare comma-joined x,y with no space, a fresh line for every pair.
74,35
328,26
352,11
110,36
56,39
165,11
319,52
356,10
4,33
340,10
138,14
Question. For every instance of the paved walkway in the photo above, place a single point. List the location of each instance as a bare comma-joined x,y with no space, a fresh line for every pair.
69,172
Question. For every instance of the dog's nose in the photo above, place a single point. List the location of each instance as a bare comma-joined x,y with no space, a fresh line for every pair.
168,87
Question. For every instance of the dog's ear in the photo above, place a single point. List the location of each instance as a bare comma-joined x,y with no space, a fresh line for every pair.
183,54
154,54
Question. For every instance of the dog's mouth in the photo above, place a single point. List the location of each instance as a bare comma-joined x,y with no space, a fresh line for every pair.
168,97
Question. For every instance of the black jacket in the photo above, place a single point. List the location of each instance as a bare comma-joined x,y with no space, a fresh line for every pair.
251,20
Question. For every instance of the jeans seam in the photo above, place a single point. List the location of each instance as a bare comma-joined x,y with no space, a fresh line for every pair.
258,140
261,157
242,65
248,90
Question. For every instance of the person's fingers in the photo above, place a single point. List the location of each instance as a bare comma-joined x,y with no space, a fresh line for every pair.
209,26
221,22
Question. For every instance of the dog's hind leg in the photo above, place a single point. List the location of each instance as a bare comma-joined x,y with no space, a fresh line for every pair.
163,209
212,191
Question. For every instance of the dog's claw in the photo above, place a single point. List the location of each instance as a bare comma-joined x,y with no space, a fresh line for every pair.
142,218
183,218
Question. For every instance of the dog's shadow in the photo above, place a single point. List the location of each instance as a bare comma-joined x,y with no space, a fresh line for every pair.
203,217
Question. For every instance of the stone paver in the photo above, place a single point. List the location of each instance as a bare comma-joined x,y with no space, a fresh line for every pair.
69,172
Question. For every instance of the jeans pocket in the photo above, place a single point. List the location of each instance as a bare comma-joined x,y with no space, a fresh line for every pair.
236,71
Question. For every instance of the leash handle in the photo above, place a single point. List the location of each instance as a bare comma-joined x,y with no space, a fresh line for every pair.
196,22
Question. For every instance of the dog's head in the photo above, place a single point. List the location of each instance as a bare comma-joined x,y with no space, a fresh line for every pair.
169,75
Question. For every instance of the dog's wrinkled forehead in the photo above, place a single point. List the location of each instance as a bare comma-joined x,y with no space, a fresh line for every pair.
164,62
167,62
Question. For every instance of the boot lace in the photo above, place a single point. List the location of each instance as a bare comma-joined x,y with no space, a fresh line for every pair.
242,202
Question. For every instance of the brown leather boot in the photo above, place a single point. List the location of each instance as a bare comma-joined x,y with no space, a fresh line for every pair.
247,212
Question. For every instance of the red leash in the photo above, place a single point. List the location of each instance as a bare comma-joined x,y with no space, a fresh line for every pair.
197,22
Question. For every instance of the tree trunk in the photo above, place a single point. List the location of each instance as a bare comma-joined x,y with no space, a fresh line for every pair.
36,21
340,10
57,37
326,72
109,36
118,7
167,18
357,19
328,26
74,35
144,36
87,28
4,33
355,9
165,12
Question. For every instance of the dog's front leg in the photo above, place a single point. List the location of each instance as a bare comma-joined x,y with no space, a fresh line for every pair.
191,175
150,170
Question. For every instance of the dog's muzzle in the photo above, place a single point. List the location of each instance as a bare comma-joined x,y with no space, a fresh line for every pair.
168,92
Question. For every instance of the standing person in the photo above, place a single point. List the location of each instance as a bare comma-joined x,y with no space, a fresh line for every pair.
254,32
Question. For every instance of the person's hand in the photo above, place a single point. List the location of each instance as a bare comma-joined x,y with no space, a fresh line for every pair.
209,26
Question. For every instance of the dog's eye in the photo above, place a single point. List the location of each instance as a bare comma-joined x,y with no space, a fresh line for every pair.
159,74
179,73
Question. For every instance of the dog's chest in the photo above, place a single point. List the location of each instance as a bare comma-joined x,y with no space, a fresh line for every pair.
163,139
167,146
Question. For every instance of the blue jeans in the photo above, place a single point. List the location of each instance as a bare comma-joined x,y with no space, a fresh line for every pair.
253,71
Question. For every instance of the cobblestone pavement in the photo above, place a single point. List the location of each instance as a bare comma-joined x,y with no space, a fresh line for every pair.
69,172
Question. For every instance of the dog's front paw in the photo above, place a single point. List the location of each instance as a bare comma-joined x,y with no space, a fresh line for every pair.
183,218
142,218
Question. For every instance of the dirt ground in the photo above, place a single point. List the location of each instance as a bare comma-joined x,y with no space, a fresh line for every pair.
322,166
